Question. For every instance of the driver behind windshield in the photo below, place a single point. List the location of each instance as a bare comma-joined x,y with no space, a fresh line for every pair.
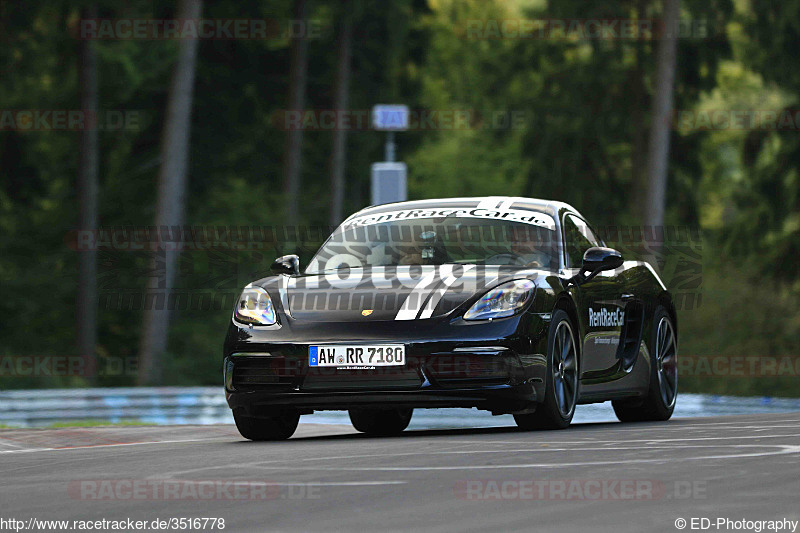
529,244
438,242
428,249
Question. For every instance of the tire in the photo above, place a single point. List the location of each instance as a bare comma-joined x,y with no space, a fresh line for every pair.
278,427
380,422
563,374
662,393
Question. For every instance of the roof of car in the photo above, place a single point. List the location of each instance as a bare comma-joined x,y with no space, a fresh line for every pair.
487,202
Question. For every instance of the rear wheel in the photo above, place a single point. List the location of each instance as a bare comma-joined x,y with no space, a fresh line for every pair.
281,426
562,379
663,392
380,422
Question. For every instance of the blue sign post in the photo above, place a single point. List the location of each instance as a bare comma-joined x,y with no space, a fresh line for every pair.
388,180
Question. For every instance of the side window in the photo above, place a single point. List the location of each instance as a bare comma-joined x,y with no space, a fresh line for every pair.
578,238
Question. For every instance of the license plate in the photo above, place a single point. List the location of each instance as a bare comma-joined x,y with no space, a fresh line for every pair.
357,356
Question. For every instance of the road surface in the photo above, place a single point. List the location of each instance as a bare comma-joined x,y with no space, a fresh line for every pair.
591,477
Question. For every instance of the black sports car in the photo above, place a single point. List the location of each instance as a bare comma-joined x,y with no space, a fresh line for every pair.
511,305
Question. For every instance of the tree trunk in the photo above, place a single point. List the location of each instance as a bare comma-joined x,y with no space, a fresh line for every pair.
170,203
292,164
86,309
341,101
660,129
639,123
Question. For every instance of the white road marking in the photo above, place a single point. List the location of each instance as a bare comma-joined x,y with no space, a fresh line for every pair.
259,483
267,465
116,445
726,425
785,450
628,441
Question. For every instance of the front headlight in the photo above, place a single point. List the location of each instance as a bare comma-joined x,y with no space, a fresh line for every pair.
255,308
501,301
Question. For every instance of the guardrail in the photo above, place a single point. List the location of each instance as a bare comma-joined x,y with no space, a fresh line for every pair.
206,405
158,405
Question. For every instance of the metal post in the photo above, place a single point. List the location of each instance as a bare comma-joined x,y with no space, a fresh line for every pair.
390,147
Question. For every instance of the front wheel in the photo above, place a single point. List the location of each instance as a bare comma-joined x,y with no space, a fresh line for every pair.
562,380
659,403
380,422
280,426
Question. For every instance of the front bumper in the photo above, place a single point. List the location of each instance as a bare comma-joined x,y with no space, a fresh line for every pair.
498,365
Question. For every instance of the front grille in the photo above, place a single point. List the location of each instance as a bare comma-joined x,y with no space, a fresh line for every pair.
446,370
379,378
263,373
465,370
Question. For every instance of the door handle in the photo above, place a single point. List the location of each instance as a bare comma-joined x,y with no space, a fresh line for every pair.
626,297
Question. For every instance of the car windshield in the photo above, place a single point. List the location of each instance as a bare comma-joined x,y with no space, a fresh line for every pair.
437,241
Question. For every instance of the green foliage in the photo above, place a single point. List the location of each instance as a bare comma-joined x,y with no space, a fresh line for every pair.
742,315
767,220
564,119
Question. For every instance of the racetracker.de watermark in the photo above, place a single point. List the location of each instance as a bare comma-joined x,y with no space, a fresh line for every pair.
48,366
193,238
219,260
419,119
581,29
72,120
183,489
739,366
206,29
201,237
737,120
578,489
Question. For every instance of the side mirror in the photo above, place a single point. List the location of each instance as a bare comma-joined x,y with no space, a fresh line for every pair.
598,259
288,264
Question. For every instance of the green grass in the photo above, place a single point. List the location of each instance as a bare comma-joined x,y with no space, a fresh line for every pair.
746,316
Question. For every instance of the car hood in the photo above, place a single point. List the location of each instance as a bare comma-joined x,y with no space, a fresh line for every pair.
388,293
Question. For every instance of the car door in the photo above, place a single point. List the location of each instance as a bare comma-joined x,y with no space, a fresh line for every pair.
600,307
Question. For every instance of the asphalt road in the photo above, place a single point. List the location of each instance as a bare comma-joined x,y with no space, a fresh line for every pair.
591,477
